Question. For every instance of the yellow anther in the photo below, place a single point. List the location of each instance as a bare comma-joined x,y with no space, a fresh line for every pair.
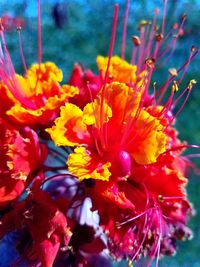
175,86
130,263
173,72
193,49
191,83
143,23
149,235
160,198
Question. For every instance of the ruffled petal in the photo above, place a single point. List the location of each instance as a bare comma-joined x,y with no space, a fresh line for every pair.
69,128
85,165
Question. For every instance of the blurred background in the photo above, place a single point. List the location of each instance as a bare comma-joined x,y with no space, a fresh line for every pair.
77,31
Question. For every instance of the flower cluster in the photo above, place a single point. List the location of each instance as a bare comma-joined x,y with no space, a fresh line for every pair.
93,170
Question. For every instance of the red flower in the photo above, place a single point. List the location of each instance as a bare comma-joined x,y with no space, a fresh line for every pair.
87,83
40,216
21,156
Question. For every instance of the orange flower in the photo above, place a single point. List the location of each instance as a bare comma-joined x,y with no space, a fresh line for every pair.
110,133
36,97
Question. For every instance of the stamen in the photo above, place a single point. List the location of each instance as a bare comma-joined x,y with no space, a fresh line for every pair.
39,35
136,41
164,16
164,87
21,49
125,30
112,42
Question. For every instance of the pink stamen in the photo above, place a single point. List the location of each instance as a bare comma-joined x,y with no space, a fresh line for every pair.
193,155
172,45
10,78
152,32
112,42
164,16
7,55
21,49
125,30
186,67
135,217
181,147
133,57
141,49
39,35
183,104
163,88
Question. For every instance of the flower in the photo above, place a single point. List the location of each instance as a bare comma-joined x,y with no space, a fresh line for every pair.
21,156
88,84
122,144
141,140
35,98
125,144
40,217
113,183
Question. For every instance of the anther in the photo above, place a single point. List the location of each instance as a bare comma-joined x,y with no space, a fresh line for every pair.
143,23
19,28
193,49
175,86
150,62
173,72
159,37
190,84
27,215
136,40
160,198
184,16
1,25
156,11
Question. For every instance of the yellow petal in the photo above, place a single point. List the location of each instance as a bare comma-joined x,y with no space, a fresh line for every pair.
82,164
92,113
149,140
119,70
69,128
